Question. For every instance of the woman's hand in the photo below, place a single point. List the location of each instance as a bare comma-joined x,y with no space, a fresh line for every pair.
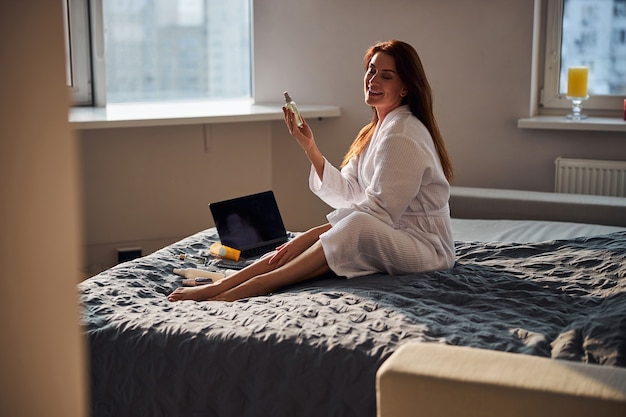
304,134
290,250
296,246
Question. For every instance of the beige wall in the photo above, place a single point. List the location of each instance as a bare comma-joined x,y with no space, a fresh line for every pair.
148,187
478,58
42,355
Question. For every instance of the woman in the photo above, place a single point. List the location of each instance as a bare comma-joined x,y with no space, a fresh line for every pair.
390,197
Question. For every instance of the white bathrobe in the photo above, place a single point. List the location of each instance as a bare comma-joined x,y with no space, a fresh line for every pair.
391,204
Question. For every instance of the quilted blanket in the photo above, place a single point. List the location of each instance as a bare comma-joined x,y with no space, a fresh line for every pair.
314,349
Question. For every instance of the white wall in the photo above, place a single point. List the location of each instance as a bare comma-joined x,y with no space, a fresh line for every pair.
42,350
478,58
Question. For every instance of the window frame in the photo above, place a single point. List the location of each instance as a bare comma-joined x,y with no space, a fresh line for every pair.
78,49
549,97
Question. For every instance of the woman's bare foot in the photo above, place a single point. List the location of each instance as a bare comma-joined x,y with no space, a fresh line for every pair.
199,293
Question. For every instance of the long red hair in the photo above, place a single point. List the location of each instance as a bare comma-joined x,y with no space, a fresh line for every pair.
418,98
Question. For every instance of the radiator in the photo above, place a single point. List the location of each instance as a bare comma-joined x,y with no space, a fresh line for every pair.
589,176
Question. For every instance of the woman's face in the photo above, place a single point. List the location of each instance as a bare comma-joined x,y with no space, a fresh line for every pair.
383,88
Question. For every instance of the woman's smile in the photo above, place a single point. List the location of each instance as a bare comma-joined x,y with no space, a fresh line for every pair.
373,92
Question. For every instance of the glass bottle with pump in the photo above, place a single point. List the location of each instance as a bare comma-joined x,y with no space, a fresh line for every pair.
291,105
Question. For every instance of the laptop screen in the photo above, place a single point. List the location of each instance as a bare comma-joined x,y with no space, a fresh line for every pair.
249,221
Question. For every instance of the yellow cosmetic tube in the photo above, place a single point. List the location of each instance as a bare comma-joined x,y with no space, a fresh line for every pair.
221,251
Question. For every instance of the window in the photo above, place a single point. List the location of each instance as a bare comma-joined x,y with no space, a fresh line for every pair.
163,50
590,33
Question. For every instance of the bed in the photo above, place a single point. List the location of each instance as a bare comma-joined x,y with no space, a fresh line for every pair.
536,287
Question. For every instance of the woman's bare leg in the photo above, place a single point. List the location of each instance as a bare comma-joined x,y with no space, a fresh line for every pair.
312,265
309,264
205,292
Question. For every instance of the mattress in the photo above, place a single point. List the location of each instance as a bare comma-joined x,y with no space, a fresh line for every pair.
313,349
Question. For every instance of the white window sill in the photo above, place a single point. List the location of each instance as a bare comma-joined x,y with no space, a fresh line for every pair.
608,124
186,113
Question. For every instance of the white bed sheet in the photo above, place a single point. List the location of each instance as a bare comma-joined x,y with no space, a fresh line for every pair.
523,231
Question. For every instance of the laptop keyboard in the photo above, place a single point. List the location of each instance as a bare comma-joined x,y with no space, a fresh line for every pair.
256,252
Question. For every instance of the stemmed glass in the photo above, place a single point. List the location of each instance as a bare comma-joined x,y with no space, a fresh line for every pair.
577,90
577,106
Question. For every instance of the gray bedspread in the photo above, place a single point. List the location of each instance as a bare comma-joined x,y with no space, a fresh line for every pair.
314,349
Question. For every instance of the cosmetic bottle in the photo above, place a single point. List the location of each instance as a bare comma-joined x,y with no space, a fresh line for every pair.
194,282
225,252
200,260
193,273
291,105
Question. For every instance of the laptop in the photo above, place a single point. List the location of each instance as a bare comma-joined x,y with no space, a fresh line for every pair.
251,224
